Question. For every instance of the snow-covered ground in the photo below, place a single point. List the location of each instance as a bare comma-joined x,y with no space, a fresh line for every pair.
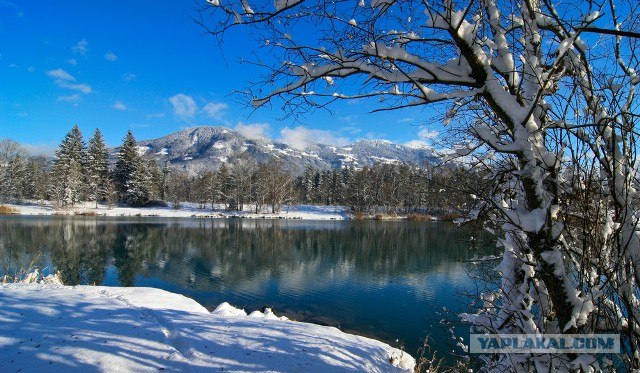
48,327
306,212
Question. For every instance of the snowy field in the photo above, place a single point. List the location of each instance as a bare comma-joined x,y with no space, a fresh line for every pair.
48,327
306,212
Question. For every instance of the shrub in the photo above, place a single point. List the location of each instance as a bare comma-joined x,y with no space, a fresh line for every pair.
8,210
85,213
451,216
360,216
419,217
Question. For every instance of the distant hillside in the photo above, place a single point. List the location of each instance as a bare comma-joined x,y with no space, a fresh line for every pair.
206,148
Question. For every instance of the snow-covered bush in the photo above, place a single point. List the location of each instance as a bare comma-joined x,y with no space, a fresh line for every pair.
32,277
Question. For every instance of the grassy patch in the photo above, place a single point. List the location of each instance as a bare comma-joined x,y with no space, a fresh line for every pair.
419,217
7,210
85,213
451,216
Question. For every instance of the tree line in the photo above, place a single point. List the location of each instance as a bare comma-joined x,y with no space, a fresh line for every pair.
79,172
83,172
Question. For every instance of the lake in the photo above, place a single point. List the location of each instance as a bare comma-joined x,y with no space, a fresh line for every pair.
395,281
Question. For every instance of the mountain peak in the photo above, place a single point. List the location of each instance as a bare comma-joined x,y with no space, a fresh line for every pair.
205,148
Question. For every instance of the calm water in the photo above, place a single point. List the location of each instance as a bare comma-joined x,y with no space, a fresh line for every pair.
389,280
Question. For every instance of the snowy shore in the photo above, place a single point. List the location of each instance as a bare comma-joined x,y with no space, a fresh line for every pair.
48,327
186,210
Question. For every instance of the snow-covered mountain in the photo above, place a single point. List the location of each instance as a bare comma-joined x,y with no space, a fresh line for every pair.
206,148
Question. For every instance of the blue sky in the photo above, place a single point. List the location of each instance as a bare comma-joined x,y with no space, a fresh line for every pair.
147,67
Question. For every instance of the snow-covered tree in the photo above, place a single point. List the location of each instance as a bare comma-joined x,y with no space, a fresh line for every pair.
277,184
138,185
536,90
226,187
157,179
14,179
37,179
178,187
97,168
242,170
11,155
307,185
127,157
69,169
131,174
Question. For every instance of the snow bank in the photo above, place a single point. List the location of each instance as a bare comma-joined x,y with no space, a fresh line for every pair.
186,210
46,327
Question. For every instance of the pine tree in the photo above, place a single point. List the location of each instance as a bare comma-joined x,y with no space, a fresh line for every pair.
14,180
156,179
69,169
130,175
138,184
37,178
226,187
97,169
127,157
308,185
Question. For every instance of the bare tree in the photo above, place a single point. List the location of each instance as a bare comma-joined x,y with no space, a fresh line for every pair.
536,90
277,184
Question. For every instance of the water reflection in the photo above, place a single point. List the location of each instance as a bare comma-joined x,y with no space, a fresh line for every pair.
383,279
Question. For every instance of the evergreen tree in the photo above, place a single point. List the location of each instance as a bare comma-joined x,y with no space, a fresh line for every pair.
37,178
166,170
130,175
156,179
97,169
11,154
138,184
69,169
14,181
307,185
226,187
127,158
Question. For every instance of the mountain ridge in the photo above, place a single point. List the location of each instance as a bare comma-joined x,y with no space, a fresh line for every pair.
205,148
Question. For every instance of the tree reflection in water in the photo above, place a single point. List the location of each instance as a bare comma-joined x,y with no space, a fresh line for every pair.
357,275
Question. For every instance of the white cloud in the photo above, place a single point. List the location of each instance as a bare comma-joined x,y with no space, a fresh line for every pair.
417,144
129,77
70,98
425,138
156,115
64,80
253,131
301,137
31,69
81,47
61,74
119,106
82,87
428,134
406,120
40,149
215,109
110,57
71,61
183,106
